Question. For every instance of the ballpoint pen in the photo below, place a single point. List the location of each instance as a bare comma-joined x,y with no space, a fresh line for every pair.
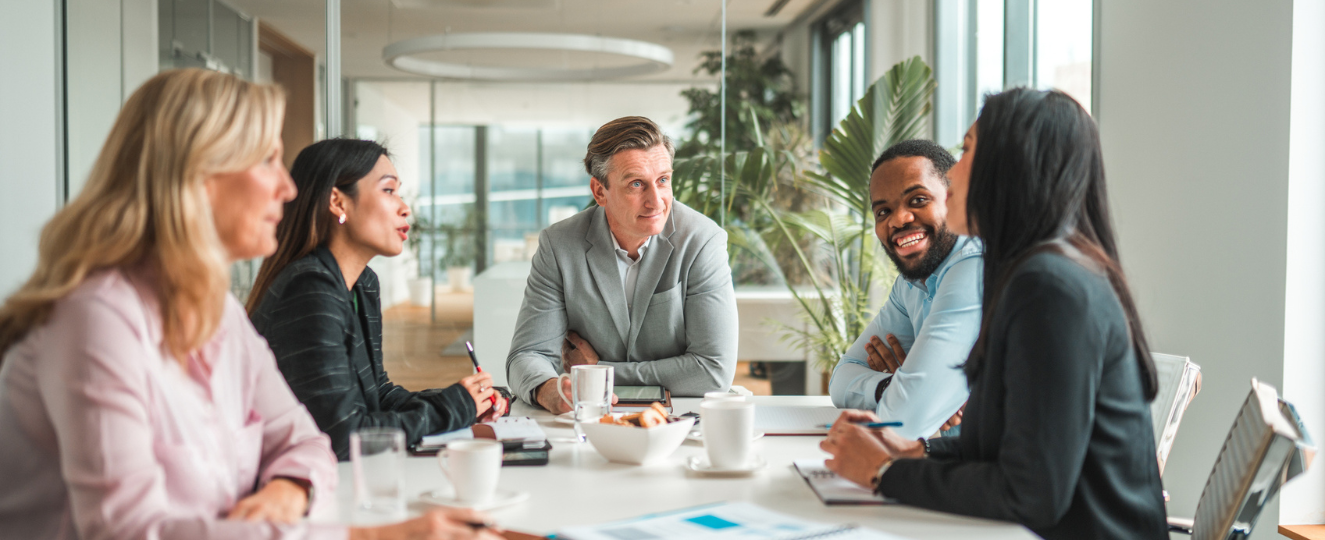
470,347
870,425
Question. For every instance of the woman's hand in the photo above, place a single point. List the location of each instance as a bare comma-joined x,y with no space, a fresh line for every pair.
479,386
496,411
448,524
281,501
858,452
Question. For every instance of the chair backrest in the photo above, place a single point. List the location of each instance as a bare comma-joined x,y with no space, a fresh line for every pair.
1179,382
1266,447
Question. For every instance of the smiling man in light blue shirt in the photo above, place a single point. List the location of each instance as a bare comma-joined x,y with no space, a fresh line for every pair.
906,366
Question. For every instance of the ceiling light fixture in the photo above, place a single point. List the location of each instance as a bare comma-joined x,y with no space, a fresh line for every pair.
655,57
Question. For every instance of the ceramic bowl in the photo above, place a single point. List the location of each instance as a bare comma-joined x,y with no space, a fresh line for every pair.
637,445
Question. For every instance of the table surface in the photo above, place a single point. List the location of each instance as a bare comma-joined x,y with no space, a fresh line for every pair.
1303,532
580,487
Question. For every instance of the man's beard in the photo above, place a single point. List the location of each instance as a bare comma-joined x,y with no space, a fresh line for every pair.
941,242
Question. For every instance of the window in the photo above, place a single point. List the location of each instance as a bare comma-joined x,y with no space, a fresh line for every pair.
984,46
968,50
1063,34
841,70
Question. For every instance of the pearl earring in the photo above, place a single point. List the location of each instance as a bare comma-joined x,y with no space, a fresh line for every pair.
342,219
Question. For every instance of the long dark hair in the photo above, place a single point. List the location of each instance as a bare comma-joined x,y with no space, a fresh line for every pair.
1037,183
338,163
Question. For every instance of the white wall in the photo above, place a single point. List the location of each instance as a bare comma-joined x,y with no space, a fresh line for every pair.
29,116
898,30
1304,303
1194,119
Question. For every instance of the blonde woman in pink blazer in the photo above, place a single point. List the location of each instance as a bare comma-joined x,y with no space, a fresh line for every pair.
136,400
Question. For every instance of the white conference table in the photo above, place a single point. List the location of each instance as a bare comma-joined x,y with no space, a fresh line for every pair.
580,487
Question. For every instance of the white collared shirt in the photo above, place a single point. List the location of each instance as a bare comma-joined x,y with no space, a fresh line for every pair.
629,268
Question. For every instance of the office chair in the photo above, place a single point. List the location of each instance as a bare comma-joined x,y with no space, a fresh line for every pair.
1266,447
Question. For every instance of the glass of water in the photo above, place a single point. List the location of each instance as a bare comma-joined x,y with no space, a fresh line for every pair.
591,394
377,457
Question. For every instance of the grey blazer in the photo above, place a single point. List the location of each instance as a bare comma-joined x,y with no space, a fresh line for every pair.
681,332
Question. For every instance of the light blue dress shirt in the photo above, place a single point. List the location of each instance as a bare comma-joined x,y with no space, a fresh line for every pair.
936,321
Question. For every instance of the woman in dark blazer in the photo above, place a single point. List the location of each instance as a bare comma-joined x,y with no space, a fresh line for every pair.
317,302
1057,433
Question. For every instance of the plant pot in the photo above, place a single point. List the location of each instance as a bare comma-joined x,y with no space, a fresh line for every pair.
458,276
420,291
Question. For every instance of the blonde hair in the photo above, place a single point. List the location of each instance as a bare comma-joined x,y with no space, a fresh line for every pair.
145,203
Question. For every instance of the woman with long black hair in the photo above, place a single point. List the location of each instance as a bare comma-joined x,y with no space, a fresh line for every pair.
1057,432
317,302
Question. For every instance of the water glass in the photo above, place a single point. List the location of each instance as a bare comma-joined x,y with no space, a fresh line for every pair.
377,458
591,393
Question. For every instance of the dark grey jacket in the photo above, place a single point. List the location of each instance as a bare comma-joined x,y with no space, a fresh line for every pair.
332,356
1057,433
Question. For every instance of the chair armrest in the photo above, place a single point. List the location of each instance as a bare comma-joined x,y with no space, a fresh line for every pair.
1181,525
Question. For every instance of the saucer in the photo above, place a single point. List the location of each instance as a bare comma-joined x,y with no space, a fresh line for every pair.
567,418
698,436
700,465
501,499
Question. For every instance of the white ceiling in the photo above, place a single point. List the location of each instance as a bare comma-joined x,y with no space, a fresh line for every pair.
688,27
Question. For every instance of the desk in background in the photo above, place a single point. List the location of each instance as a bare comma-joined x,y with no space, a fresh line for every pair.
580,487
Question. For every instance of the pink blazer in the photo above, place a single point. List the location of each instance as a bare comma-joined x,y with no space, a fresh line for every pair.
103,435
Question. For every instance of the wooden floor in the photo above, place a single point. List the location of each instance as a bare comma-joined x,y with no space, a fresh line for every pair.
412,343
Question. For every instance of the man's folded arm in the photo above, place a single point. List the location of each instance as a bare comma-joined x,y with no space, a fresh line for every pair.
711,328
535,354
854,383
930,386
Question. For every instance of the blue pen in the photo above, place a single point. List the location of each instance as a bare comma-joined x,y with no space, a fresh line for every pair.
871,425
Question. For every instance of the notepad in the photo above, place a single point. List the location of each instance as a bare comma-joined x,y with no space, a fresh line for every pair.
721,521
511,429
832,489
784,420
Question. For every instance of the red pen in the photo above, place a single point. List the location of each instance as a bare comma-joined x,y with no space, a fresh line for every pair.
477,368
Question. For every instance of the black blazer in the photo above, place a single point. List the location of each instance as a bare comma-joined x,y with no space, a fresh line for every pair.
1057,433
332,356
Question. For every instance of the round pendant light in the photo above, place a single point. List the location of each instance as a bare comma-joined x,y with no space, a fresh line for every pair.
653,57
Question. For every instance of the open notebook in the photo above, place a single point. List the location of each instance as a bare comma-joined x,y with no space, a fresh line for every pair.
832,489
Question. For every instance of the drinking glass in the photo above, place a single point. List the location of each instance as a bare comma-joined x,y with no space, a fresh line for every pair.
377,458
591,394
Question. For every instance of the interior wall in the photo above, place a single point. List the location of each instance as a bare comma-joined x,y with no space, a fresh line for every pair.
898,30
30,109
111,50
1304,303
1194,123
294,69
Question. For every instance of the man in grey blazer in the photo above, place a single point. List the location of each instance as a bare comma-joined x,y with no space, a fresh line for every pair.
639,282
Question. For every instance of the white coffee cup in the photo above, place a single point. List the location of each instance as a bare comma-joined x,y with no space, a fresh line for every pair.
723,396
728,427
473,468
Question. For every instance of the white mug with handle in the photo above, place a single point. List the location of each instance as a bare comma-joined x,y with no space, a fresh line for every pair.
473,468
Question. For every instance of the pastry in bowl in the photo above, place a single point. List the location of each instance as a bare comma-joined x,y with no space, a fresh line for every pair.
626,439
